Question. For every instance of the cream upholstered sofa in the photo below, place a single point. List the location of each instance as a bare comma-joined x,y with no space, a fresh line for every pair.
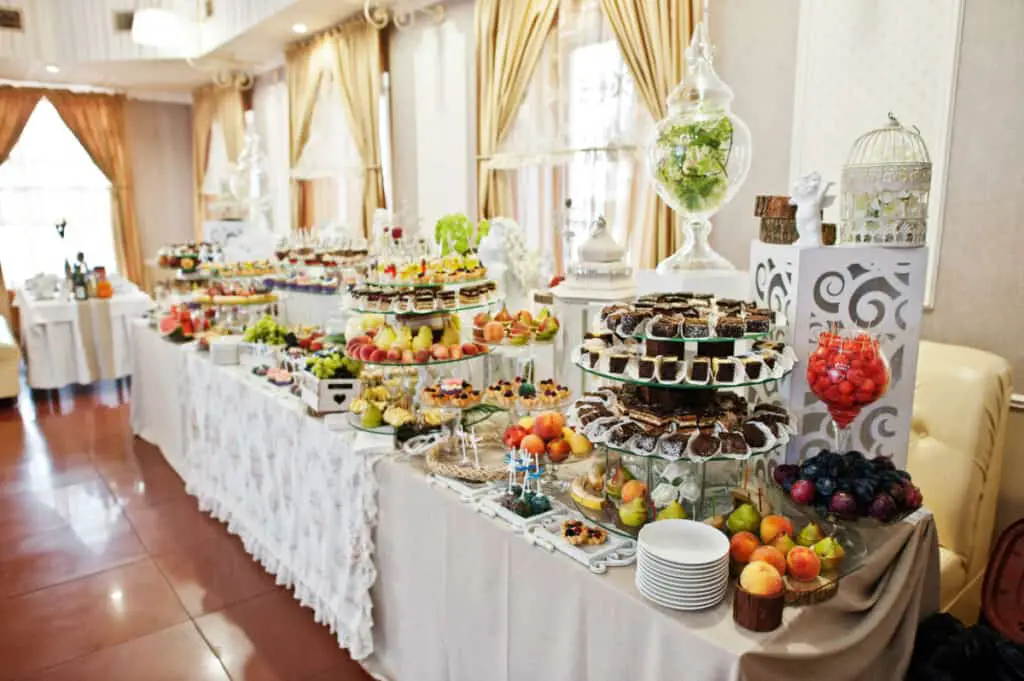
961,408
10,360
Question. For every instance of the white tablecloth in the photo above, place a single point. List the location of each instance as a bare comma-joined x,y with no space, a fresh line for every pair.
70,342
302,498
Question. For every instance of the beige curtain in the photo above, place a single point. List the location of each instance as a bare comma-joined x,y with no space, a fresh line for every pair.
224,105
98,121
510,37
306,63
359,72
653,37
17,105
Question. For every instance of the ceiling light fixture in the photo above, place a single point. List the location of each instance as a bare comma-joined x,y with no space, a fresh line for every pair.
300,28
379,17
159,28
52,68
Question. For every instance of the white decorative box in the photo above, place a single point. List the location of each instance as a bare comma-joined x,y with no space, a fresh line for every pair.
878,289
327,395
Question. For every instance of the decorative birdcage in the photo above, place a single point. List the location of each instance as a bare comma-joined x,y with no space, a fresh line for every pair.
884,188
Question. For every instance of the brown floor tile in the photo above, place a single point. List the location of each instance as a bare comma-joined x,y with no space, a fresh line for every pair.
214,574
347,671
174,526
271,638
42,472
48,627
175,654
142,486
66,553
28,513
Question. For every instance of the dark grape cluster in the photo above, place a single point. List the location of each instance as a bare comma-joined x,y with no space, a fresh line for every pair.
850,485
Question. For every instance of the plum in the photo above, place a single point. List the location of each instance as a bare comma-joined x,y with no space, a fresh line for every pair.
863,491
802,492
811,469
843,504
785,472
896,491
882,508
912,496
883,463
825,486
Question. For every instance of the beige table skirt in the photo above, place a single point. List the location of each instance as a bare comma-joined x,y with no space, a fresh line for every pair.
459,597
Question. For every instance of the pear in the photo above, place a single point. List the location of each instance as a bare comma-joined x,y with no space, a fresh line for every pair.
831,553
633,514
673,510
450,335
385,338
744,518
543,314
783,543
372,417
403,341
810,535
423,340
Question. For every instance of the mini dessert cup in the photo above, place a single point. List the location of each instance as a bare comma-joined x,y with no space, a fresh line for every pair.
671,370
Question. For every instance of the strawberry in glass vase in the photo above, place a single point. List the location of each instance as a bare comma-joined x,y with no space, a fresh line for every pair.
847,371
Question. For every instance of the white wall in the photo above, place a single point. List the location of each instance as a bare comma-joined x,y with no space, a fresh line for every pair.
755,53
433,125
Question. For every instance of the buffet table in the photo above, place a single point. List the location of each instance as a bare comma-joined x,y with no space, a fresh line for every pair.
69,341
457,595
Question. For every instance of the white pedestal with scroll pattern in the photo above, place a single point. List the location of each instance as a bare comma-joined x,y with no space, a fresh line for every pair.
880,290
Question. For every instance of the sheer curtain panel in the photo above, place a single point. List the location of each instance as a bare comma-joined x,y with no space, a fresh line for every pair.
50,177
270,103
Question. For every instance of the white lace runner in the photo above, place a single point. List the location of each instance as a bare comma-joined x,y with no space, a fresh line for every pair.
301,497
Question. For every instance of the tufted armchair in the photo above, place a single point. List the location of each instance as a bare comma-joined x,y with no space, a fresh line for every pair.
961,408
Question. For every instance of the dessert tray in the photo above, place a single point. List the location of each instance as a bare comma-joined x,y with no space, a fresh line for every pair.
423,299
722,426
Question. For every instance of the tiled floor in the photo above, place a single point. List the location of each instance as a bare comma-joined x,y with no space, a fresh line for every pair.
109,572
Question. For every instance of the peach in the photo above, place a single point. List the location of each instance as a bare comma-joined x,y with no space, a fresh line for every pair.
770,555
804,565
481,319
533,444
394,355
366,352
784,543
455,352
742,546
378,355
468,349
558,450
774,525
439,352
761,579
494,332
548,425
634,489
421,356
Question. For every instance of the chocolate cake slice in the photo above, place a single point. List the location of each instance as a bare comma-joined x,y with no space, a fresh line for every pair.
730,327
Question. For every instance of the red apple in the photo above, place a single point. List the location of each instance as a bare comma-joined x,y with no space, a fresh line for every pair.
468,349
514,435
394,355
481,319
558,450
421,356
439,352
802,491
494,332
366,352
378,355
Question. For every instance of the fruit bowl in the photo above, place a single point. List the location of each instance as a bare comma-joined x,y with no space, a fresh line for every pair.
846,487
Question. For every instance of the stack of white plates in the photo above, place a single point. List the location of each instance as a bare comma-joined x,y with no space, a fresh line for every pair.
682,564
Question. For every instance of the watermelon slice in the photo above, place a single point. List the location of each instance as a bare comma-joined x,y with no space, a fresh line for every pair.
171,329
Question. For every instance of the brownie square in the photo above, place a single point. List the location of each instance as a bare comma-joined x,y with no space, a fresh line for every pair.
696,328
705,445
724,370
733,443
700,370
757,324
666,326
617,363
669,370
646,367
730,327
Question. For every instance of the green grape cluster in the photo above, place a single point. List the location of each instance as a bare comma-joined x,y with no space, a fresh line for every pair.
266,330
333,365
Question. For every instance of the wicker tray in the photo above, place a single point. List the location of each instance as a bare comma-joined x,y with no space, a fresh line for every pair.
783,231
440,461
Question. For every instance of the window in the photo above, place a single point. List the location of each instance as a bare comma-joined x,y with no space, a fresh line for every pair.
578,137
48,178
332,161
